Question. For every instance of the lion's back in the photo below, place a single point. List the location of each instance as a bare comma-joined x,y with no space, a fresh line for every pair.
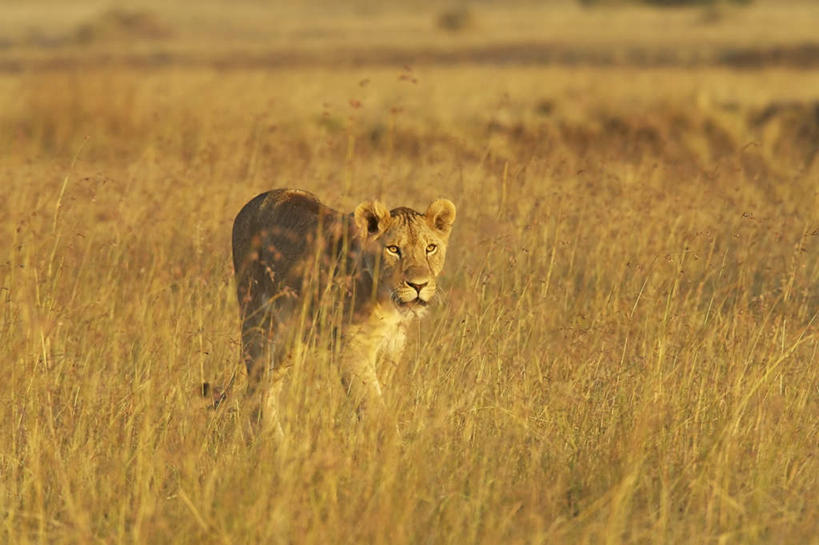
283,214
275,236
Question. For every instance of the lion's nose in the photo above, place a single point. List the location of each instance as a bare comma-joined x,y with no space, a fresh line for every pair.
417,286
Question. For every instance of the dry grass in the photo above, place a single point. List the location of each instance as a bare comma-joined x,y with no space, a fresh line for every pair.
626,350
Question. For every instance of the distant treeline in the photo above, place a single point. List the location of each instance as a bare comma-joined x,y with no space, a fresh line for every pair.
664,3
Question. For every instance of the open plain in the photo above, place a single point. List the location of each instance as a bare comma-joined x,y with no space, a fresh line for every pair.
626,349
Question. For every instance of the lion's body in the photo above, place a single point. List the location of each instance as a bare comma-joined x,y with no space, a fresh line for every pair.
305,269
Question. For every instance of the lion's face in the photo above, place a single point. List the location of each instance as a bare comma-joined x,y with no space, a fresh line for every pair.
404,250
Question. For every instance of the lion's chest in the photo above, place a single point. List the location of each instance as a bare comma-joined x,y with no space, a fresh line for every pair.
381,334
393,341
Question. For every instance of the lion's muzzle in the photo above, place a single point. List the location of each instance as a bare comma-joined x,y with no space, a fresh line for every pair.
415,293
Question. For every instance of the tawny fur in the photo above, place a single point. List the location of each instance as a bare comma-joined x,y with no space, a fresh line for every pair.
301,266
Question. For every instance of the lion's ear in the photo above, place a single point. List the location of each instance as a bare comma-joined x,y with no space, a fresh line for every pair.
441,214
371,218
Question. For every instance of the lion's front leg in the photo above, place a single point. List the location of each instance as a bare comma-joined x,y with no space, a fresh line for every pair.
270,406
359,376
390,352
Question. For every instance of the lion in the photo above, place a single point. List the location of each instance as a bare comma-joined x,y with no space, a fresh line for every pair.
305,269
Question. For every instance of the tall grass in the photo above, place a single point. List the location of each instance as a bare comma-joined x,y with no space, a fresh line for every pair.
625,351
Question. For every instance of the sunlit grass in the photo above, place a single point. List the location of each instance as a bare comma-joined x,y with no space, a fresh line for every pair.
625,351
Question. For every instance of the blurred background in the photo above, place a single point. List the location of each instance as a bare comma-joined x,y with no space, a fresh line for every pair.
737,33
750,66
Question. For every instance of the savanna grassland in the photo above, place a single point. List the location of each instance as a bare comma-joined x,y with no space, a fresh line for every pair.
626,347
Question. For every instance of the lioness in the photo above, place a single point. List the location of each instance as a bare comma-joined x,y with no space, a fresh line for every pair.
303,268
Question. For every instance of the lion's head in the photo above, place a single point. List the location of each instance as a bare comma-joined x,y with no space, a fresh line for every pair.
404,250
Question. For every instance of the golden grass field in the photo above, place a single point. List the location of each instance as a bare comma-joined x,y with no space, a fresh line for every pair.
625,349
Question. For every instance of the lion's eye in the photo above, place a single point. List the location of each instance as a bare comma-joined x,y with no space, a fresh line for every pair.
393,249
431,248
